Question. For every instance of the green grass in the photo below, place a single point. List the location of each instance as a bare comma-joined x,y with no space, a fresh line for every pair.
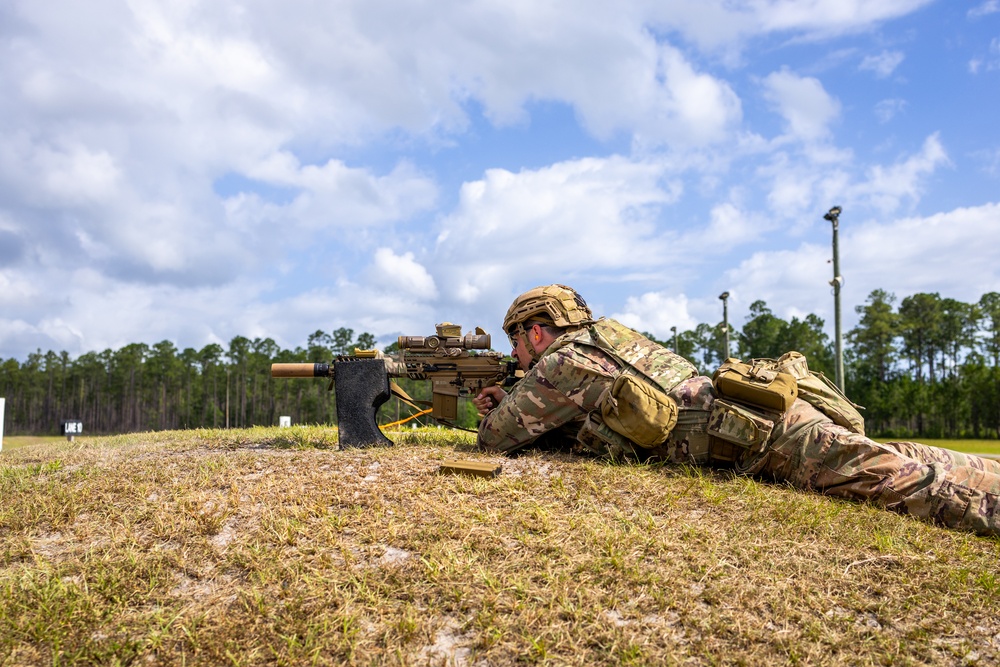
18,441
271,547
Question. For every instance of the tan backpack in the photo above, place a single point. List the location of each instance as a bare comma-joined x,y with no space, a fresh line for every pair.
765,383
817,390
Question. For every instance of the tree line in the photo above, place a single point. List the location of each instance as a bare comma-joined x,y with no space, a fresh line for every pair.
929,367
141,387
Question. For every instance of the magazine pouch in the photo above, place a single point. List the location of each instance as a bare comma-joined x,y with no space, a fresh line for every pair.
736,430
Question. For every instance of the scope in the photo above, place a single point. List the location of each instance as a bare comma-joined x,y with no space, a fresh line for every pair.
466,342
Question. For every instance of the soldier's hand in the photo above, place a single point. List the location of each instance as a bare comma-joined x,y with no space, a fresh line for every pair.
488,399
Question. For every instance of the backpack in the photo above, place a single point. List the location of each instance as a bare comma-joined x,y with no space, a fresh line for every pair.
812,387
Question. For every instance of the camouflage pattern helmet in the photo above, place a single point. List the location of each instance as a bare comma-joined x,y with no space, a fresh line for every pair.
558,304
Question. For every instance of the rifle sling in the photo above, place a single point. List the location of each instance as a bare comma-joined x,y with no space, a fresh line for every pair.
401,394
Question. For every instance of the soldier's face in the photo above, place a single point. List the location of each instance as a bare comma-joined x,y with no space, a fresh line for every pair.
521,354
537,338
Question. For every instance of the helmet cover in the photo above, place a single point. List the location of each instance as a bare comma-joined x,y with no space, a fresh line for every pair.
559,305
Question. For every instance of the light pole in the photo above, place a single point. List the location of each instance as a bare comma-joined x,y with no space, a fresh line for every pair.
833,215
674,331
725,322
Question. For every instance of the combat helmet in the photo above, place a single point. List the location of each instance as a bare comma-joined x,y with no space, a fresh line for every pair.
557,305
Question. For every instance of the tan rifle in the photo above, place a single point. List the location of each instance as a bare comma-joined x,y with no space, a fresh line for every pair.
456,365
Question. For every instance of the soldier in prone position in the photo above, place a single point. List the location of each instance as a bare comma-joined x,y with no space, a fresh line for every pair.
598,387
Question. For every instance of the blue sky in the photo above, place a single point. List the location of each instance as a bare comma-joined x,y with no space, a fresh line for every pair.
194,171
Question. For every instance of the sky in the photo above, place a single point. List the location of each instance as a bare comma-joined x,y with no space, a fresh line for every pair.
197,170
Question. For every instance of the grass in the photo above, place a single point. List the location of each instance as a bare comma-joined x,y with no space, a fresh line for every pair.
18,441
270,546
988,447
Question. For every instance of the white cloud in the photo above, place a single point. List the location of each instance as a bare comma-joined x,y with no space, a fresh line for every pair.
830,16
796,276
722,25
793,188
357,69
936,253
904,256
333,195
581,215
17,291
882,64
805,105
58,174
262,75
381,310
888,109
989,62
885,188
79,309
656,312
401,273
984,9
728,227
989,159
800,188
688,109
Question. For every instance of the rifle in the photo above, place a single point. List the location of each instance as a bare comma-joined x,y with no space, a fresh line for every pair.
456,365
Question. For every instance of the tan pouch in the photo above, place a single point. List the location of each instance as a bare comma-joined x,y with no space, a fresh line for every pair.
636,409
793,363
760,384
596,437
817,390
739,425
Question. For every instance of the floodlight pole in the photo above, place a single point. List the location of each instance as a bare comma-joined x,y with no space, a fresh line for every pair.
725,322
833,215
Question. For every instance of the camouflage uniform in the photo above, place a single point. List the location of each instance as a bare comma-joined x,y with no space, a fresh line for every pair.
559,403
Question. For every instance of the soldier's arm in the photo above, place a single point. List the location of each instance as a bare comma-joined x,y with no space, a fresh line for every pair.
556,391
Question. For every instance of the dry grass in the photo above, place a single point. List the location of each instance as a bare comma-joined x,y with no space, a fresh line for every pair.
269,546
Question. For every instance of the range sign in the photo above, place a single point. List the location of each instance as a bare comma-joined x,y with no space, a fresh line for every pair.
71,427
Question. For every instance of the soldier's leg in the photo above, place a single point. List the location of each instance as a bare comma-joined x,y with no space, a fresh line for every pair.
813,453
947,457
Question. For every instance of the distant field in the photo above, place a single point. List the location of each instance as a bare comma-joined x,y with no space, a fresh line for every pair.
18,441
988,447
